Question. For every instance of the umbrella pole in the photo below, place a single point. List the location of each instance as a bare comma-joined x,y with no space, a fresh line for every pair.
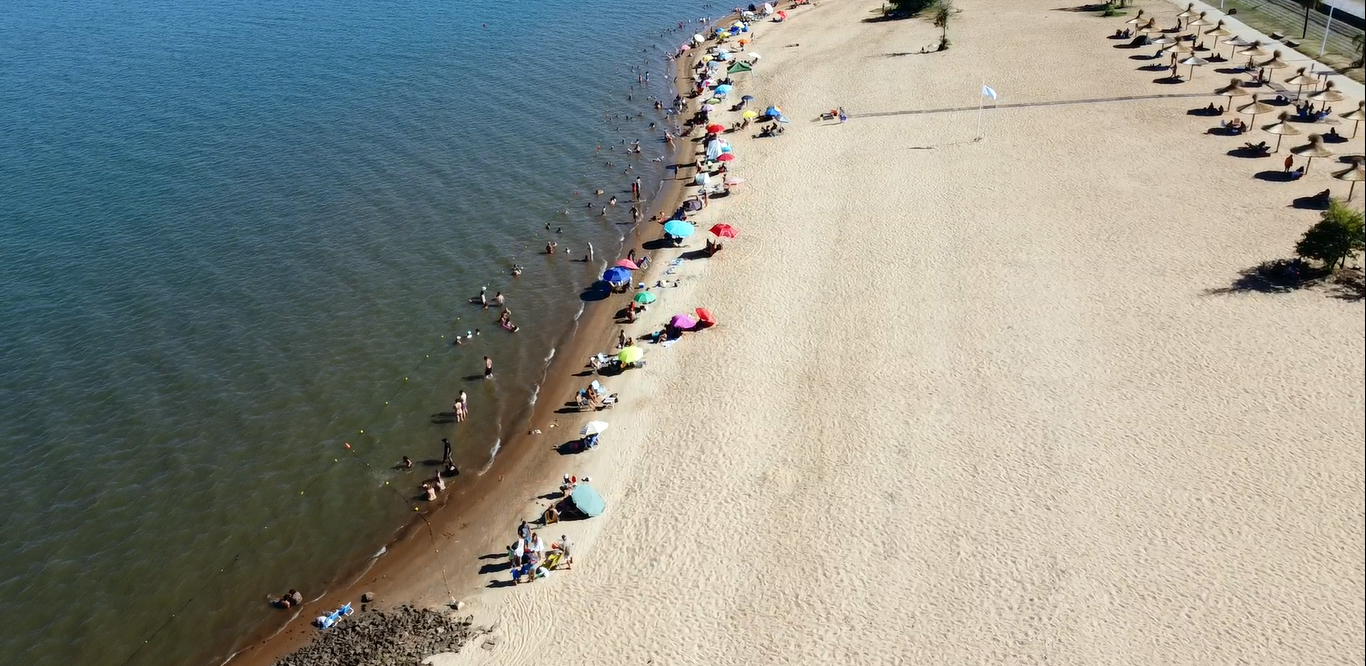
1278,143
1306,166
1355,126
1350,190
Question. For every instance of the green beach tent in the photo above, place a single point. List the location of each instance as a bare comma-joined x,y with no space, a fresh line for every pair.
739,67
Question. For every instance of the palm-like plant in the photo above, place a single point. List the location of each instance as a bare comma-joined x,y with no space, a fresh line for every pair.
943,12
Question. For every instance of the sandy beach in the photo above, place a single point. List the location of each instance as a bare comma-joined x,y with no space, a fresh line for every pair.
976,401
969,401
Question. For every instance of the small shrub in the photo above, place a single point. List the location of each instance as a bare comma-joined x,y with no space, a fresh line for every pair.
1339,234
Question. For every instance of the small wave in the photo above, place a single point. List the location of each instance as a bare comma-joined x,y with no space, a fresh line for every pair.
535,393
493,454
551,354
579,313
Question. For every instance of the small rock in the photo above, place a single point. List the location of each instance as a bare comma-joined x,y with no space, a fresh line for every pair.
367,597
460,605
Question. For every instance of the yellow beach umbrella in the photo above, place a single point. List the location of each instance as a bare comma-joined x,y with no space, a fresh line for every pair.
1281,128
750,114
1353,174
1356,117
1314,148
630,355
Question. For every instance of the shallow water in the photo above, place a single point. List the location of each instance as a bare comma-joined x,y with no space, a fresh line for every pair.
236,234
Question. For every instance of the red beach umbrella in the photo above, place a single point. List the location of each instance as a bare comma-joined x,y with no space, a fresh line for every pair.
726,157
716,129
628,265
724,231
705,318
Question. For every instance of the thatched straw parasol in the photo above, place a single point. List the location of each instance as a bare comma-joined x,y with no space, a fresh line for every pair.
1255,108
1253,50
1314,148
1215,34
1281,128
1136,20
1275,62
1356,117
1190,11
1353,174
1328,94
1199,22
1180,47
1301,79
1194,61
1163,41
1233,89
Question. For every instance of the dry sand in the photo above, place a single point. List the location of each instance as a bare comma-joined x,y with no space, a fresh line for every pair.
976,402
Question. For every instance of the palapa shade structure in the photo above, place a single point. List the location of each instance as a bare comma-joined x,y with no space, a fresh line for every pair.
1189,12
1255,108
1233,89
1353,174
1181,48
1301,79
1356,117
1194,61
1328,94
1149,27
1281,128
1253,50
1163,41
1314,148
1137,19
1216,33
1275,62
1199,22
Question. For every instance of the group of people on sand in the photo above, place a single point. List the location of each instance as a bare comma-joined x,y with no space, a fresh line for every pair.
531,558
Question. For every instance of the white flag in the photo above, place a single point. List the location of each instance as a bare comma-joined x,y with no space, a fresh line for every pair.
988,91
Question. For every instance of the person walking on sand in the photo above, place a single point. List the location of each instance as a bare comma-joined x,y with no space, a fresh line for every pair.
589,257
568,550
635,189
488,368
445,450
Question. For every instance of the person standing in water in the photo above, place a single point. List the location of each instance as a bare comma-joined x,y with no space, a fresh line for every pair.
488,368
445,450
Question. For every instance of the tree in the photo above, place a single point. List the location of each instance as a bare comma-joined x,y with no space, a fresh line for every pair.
1359,48
912,7
943,11
1309,5
1339,234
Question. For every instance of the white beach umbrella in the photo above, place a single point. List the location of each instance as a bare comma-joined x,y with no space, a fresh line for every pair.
593,428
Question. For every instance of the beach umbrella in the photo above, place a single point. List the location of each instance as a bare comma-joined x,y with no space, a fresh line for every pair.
1232,90
1281,128
616,275
1163,41
714,100
587,501
1199,22
1188,12
1356,116
724,231
773,111
630,354
1301,79
713,149
704,315
1314,148
1216,32
734,180
726,157
1255,108
715,128
1353,174
699,38
708,107
1180,48
593,428
627,264
1137,19
753,57
644,298
1275,62
1149,27
750,114
1194,61
1328,94
679,228
724,89
1253,50
682,321
747,98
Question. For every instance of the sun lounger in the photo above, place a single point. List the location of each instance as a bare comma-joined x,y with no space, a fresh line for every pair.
330,620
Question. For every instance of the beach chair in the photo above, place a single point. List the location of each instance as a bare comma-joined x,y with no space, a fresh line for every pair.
330,620
553,560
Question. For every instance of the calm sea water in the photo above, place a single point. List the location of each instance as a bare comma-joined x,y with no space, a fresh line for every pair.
232,236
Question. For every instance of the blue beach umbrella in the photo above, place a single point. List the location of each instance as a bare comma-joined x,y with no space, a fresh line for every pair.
747,98
724,88
616,275
679,228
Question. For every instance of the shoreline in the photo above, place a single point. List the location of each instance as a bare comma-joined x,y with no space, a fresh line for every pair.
485,505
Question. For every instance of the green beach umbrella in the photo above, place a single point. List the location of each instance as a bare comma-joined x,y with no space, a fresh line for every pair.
644,298
630,355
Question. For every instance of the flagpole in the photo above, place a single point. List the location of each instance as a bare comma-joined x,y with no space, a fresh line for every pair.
979,109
